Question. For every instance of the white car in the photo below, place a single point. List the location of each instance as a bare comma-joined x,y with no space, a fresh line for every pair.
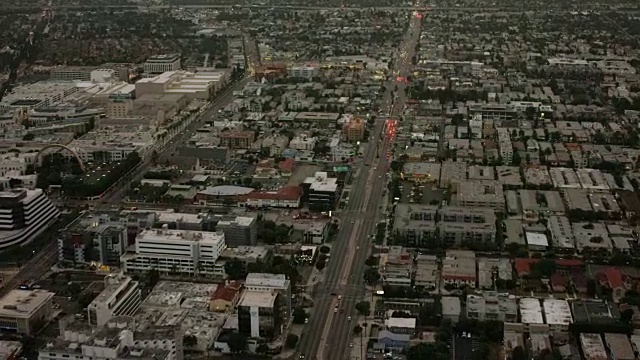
349,318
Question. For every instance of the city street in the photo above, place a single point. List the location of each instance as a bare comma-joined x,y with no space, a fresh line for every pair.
330,329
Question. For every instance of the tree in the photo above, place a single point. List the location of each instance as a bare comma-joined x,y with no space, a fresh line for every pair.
371,261
437,351
518,353
299,315
543,268
237,342
357,330
626,316
325,249
262,349
320,264
364,308
189,341
292,341
371,276
235,269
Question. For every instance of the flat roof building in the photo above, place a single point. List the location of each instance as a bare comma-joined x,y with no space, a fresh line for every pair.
491,305
557,313
24,311
592,347
561,232
121,296
531,312
619,346
459,268
486,194
492,268
175,251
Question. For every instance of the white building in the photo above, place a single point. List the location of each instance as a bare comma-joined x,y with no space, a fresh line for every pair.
24,214
175,251
303,142
306,72
200,85
162,63
558,315
121,296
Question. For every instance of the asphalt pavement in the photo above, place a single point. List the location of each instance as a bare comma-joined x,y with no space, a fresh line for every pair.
330,327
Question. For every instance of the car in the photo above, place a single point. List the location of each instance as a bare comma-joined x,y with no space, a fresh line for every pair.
353,222
301,356
349,318
306,321
339,297
335,310
351,345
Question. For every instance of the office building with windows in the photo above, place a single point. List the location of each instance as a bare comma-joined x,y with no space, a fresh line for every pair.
121,296
175,252
24,214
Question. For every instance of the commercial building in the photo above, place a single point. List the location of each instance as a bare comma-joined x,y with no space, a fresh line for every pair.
306,72
285,197
202,85
459,268
491,305
175,251
239,231
592,347
234,139
121,296
557,313
321,191
24,214
487,194
161,63
424,172
26,311
118,339
259,315
261,282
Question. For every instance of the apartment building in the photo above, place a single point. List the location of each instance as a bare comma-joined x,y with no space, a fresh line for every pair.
459,268
24,214
279,283
162,63
487,194
234,139
321,191
491,305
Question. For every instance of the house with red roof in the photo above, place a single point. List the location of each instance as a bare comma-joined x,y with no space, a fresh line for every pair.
226,297
612,278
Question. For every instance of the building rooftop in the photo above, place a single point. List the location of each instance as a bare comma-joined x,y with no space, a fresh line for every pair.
259,299
557,312
23,303
593,346
278,281
531,311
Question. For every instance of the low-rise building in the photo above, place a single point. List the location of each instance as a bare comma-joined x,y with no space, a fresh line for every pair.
459,268
415,224
426,273
490,270
619,346
557,313
487,194
451,308
26,311
592,347
226,297
285,197
530,313
491,305
561,232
